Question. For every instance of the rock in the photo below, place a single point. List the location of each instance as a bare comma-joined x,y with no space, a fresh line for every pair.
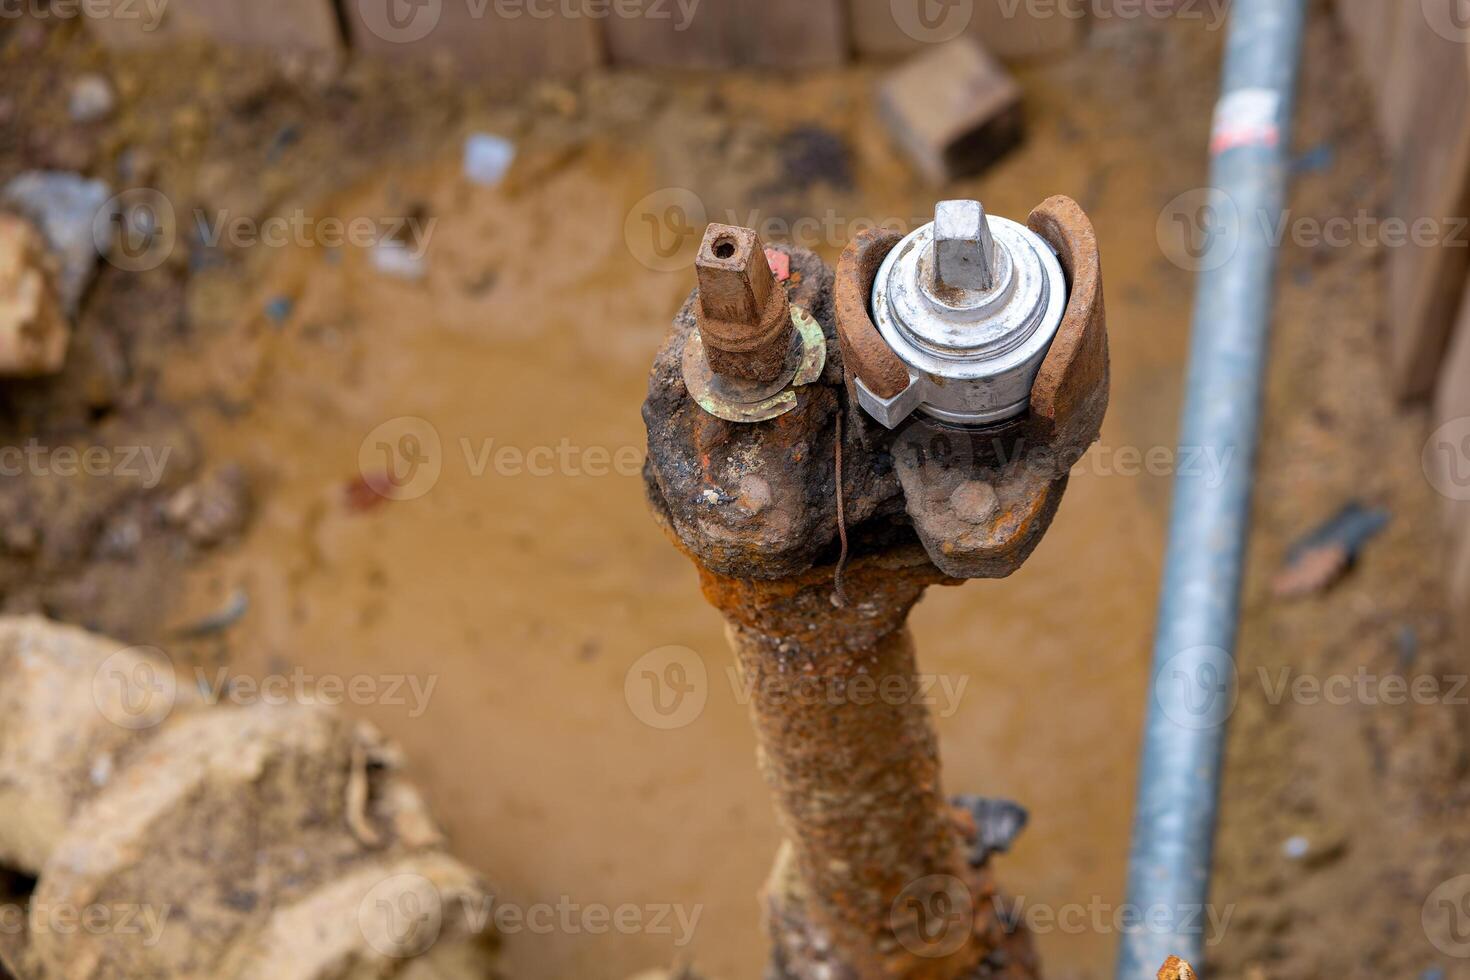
64,206
213,508
91,99
33,332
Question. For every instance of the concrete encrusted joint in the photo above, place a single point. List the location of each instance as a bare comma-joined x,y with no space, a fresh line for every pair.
872,842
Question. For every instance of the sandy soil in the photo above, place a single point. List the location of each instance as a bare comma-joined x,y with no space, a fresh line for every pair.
520,598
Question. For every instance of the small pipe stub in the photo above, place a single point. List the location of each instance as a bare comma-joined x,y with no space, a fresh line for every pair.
743,314
752,345
970,305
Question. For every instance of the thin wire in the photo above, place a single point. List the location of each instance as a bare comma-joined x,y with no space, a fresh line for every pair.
839,598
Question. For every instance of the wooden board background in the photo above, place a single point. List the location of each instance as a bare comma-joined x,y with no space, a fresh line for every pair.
508,40
1431,174
474,36
1008,29
1451,403
1372,29
729,33
309,25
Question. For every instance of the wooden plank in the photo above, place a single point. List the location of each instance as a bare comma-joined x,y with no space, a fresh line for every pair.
295,25
482,37
1009,29
1447,453
1398,79
1370,26
1431,177
714,34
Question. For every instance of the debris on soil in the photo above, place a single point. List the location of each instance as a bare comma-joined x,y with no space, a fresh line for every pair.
368,491
393,258
33,332
278,310
1315,851
812,155
65,207
487,158
234,608
213,508
1323,556
997,825
954,110
91,98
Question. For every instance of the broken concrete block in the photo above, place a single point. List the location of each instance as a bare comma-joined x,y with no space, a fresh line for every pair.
33,332
953,110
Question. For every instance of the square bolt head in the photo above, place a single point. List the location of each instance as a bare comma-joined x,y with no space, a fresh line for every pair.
735,279
964,251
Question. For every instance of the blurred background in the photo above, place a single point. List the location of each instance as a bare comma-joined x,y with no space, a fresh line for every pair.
356,304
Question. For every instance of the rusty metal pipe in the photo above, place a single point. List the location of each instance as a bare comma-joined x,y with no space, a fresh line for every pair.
850,753
880,877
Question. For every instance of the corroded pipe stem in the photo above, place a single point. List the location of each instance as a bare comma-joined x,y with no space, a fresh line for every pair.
873,880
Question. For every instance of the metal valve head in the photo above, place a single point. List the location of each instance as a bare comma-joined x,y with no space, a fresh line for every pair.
969,304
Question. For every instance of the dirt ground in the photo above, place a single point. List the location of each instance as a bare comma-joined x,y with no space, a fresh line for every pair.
515,595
